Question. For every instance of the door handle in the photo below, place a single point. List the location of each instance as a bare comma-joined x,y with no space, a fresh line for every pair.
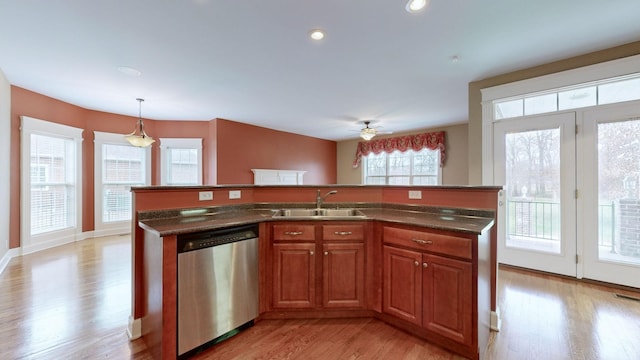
422,242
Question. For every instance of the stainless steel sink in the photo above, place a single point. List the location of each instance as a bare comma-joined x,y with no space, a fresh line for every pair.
319,213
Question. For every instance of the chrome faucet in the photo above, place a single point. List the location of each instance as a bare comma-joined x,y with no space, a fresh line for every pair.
320,199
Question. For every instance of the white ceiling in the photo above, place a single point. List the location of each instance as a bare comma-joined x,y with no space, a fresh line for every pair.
252,61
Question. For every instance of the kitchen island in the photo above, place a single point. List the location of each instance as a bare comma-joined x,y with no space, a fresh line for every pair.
443,242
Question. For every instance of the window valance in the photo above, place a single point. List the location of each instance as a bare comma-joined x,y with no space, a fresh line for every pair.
432,141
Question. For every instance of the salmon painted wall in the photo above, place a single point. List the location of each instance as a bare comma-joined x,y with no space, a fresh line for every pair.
28,103
230,149
242,147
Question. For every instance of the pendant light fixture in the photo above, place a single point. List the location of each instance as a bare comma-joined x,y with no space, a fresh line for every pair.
138,137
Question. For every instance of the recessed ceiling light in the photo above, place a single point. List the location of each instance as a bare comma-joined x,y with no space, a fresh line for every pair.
316,34
129,71
414,6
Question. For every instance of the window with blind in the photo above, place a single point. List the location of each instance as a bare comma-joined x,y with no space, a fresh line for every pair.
402,168
181,161
51,184
53,202
118,167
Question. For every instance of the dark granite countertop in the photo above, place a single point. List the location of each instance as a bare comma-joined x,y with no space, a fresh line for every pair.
174,222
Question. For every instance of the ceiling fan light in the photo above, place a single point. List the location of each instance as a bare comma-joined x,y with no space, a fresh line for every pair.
367,133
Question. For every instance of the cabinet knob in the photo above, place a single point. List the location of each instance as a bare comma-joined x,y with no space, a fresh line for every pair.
416,263
425,265
311,252
326,253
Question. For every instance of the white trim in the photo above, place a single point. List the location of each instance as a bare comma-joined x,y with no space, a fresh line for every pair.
134,328
7,257
31,243
496,321
277,177
100,138
179,143
585,74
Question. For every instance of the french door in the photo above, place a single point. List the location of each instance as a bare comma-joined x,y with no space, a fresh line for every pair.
535,160
611,147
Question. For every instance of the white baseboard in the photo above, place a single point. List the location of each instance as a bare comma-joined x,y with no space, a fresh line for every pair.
44,245
11,253
134,330
496,321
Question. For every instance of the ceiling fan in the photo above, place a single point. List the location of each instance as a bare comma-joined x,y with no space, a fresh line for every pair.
367,133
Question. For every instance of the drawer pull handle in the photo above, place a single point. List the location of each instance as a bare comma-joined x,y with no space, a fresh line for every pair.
342,233
293,233
416,263
423,242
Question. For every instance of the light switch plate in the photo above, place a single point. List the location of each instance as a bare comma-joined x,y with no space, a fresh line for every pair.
205,195
415,194
234,194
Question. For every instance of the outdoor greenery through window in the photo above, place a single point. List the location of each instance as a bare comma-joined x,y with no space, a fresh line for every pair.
403,168
615,90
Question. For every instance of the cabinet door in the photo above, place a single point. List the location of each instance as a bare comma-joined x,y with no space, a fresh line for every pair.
294,275
343,275
402,285
447,297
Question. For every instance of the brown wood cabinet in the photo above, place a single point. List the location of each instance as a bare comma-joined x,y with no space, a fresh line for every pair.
299,275
428,281
343,275
446,295
294,275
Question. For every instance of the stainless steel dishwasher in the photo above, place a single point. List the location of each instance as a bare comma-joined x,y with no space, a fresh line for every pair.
217,286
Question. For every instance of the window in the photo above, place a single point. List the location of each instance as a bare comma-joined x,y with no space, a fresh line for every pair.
118,167
51,183
181,161
403,168
614,90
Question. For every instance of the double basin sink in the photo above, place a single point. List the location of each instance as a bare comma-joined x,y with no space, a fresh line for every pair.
319,213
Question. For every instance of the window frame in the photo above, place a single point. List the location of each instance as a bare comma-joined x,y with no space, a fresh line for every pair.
102,228
365,160
166,144
36,242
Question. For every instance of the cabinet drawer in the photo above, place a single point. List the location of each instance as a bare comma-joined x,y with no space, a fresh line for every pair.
422,240
343,232
295,232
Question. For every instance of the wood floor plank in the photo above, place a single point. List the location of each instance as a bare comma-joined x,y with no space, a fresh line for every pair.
73,302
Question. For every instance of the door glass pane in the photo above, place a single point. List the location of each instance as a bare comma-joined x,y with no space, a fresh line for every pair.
508,109
619,91
577,98
541,104
533,190
619,191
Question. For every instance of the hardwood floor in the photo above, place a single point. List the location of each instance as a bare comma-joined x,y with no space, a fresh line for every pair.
73,302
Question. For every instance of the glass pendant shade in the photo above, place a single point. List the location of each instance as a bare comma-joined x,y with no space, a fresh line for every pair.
139,137
367,133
